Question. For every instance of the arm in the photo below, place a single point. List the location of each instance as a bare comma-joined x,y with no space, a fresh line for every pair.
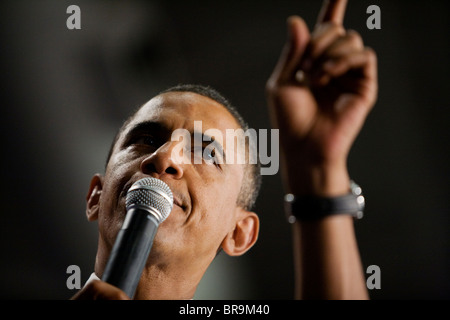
319,95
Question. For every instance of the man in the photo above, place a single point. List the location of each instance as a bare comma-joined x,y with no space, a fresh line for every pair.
319,95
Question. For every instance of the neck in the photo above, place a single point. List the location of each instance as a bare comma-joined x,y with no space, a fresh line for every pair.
160,283
168,280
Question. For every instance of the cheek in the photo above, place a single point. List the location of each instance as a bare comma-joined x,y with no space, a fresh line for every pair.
212,218
112,202
217,203
111,214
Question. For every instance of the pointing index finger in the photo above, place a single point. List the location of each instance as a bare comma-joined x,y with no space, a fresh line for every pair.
332,11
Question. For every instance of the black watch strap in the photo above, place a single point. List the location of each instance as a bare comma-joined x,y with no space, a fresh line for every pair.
308,208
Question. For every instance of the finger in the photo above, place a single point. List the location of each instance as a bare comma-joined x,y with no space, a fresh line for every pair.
329,63
332,11
292,52
338,66
351,42
356,73
366,90
321,40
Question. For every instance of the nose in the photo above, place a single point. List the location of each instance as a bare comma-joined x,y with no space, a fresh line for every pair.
163,162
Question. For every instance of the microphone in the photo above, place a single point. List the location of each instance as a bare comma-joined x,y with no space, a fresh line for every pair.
149,202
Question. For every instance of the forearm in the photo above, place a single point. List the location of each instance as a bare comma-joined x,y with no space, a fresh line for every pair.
327,261
326,255
319,115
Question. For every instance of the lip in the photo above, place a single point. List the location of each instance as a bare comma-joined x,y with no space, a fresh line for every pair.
176,198
177,202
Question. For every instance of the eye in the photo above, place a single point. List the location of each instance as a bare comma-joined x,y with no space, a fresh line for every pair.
210,155
206,154
147,140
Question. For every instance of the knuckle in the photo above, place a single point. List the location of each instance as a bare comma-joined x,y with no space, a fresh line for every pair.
102,291
271,86
95,284
371,54
338,28
92,288
355,38
328,27
332,25
119,295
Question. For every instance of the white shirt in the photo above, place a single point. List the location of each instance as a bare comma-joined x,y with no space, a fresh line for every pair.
91,278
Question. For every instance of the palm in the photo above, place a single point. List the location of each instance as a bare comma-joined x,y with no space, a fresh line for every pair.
322,117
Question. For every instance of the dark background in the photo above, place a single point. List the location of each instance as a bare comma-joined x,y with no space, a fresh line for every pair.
65,92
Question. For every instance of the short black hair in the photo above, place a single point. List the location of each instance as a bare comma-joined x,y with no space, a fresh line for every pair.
252,180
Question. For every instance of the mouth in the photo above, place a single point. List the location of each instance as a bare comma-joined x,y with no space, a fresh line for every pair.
178,199
178,202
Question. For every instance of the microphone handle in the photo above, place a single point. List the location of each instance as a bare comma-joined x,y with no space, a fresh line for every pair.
131,250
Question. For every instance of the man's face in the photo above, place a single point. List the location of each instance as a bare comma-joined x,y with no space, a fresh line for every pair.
205,194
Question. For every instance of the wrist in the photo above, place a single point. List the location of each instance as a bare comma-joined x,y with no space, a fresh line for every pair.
314,208
324,180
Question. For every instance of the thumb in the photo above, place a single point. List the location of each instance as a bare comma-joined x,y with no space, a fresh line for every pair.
293,51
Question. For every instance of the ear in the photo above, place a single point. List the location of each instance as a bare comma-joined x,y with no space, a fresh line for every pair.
93,197
244,235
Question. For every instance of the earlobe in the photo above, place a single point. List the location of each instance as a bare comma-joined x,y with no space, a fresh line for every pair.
93,197
244,236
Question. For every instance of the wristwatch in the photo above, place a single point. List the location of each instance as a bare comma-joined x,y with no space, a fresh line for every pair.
309,208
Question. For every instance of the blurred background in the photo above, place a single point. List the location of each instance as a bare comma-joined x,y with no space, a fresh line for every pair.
64,93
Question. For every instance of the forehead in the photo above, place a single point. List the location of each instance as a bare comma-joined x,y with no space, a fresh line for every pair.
181,109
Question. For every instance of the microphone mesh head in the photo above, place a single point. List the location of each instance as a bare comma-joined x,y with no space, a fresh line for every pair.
153,194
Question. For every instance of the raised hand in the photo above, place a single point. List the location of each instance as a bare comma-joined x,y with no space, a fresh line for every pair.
319,95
